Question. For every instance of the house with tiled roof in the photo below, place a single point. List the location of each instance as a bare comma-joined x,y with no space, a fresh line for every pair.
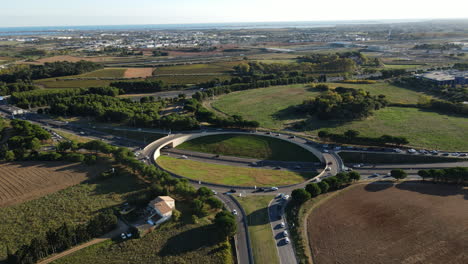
161,209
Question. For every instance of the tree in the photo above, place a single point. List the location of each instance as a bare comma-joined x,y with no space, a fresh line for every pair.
324,187
343,178
424,174
350,134
300,196
354,175
313,189
226,224
398,174
214,203
204,192
199,208
176,215
9,155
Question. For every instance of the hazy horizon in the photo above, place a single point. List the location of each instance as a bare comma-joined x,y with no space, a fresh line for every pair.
27,13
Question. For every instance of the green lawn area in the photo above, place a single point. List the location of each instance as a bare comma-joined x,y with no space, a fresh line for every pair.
76,204
270,106
191,79
261,235
259,147
145,137
266,105
172,242
422,128
230,175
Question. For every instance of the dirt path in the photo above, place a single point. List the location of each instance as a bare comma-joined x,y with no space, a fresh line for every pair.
122,227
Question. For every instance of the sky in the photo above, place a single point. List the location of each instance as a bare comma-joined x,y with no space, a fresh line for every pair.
14,13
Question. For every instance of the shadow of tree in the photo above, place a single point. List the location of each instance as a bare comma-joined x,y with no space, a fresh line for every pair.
258,217
191,240
438,189
378,186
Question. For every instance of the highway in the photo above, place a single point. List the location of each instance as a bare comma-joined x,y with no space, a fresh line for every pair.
276,213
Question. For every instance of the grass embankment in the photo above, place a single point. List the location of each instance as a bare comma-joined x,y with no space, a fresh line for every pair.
172,242
76,204
261,235
423,129
250,146
230,175
381,158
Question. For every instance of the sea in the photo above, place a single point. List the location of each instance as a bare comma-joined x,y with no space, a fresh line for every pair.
55,30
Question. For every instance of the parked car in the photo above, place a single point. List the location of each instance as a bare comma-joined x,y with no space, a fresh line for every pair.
286,197
285,233
234,212
282,224
286,240
328,169
123,236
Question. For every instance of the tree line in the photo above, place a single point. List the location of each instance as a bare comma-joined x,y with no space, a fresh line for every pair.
454,94
352,136
343,103
62,238
146,86
457,175
48,70
7,89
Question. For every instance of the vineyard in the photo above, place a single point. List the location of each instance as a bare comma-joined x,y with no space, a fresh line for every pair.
23,181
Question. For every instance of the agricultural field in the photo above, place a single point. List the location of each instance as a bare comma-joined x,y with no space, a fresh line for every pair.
191,79
261,235
23,181
217,67
75,204
170,243
103,73
249,146
396,223
76,59
138,72
54,83
231,175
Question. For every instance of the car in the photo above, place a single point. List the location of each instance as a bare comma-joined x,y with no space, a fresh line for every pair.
463,155
260,189
214,192
123,236
348,169
281,195
286,197
216,156
274,188
285,233
357,166
292,137
234,212
327,169
268,133
232,190
277,168
297,167
282,224
286,240
325,150
278,135
330,163
183,157
375,175
388,175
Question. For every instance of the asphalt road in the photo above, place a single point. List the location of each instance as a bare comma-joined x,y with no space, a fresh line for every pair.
276,214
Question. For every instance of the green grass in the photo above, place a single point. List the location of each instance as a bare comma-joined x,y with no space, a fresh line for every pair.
108,72
387,158
230,175
261,235
171,242
259,147
402,66
191,79
422,128
266,105
76,204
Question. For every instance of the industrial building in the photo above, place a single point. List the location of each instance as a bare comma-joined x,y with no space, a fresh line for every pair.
448,77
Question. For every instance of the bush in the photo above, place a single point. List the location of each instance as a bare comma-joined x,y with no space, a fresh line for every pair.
324,187
313,189
300,196
74,157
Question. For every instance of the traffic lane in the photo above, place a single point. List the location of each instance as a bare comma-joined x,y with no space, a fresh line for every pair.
276,213
415,166
241,236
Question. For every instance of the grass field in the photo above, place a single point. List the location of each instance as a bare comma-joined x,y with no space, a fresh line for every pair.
261,235
76,204
259,147
169,243
230,175
191,79
217,67
396,223
423,129
145,137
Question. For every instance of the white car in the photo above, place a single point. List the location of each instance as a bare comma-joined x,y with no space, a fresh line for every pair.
286,197
285,233
123,236
286,240
274,188
375,175
325,150
183,157
282,225
234,212
214,192
328,169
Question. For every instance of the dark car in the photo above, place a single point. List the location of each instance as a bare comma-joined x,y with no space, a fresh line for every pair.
232,191
260,189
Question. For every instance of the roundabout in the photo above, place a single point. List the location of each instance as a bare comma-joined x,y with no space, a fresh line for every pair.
206,168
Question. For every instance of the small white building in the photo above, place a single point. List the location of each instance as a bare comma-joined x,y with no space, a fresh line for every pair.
161,209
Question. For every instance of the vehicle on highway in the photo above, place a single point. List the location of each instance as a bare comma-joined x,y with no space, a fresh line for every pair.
232,190
216,156
286,240
183,157
259,189
278,135
277,168
214,192
375,175
285,233
297,167
282,225
292,137
325,150
330,163
281,195
388,175
273,188
327,169
234,212
123,236
286,197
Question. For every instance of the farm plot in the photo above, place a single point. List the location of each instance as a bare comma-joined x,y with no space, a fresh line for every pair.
138,72
24,181
386,223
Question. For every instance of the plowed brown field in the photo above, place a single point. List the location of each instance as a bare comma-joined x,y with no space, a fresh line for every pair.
387,223
22,181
